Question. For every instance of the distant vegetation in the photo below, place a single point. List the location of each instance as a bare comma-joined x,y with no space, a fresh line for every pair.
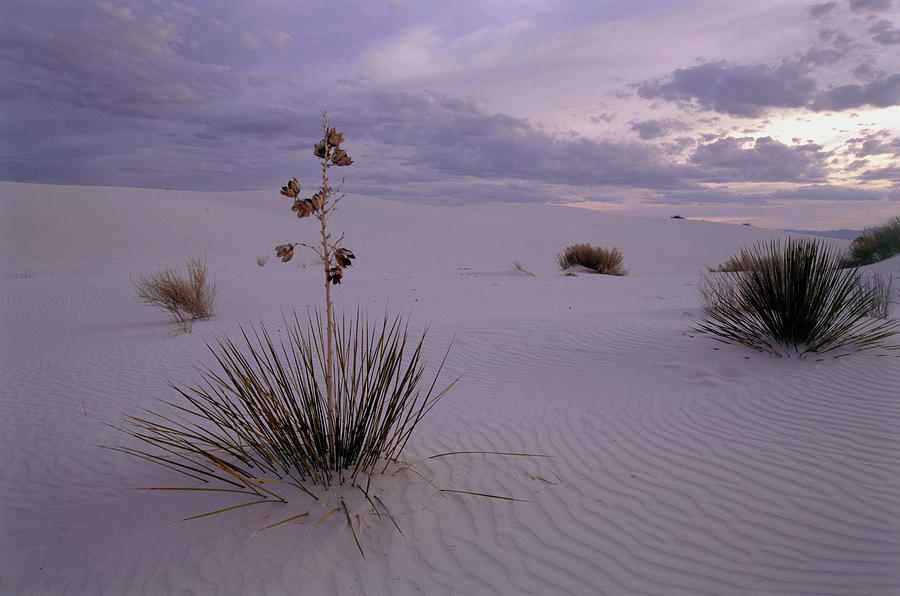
875,244
793,296
185,298
607,261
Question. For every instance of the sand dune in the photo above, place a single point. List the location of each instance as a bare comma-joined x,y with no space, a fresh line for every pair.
678,465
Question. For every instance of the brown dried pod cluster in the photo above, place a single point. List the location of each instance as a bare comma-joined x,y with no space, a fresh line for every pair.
285,251
334,258
330,148
292,189
335,275
344,257
303,207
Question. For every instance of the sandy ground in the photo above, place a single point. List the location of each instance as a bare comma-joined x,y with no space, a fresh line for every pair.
677,464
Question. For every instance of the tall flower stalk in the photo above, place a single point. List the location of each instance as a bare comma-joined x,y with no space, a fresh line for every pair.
333,255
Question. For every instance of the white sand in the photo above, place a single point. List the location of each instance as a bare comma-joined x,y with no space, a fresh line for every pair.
680,465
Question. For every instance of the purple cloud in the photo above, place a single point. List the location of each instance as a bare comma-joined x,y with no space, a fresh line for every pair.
820,10
766,160
881,93
654,129
891,173
870,5
735,89
884,32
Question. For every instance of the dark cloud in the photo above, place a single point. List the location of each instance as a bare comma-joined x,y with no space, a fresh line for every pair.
820,56
811,192
884,32
867,72
827,192
764,160
870,5
654,129
120,64
748,91
891,173
604,118
880,93
878,143
451,136
819,10
739,90
225,96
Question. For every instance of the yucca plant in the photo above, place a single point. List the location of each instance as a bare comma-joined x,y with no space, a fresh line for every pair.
793,297
333,400
261,414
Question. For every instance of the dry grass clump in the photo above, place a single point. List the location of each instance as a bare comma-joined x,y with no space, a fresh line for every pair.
794,297
607,261
185,298
876,244
520,267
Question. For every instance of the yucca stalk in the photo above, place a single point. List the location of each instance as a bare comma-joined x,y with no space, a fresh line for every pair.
793,297
332,256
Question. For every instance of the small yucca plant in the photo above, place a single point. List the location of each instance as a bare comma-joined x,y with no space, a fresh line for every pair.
793,297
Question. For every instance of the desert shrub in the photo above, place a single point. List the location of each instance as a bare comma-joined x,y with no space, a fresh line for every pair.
882,289
793,297
262,414
602,260
876,244
185,298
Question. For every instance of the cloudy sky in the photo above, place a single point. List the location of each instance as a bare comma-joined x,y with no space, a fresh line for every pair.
781,113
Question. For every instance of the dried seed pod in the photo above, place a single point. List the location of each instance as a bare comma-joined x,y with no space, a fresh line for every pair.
335,275
318,200
340,158
334,137
304,208
344,256
285,252
292,188
319,150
